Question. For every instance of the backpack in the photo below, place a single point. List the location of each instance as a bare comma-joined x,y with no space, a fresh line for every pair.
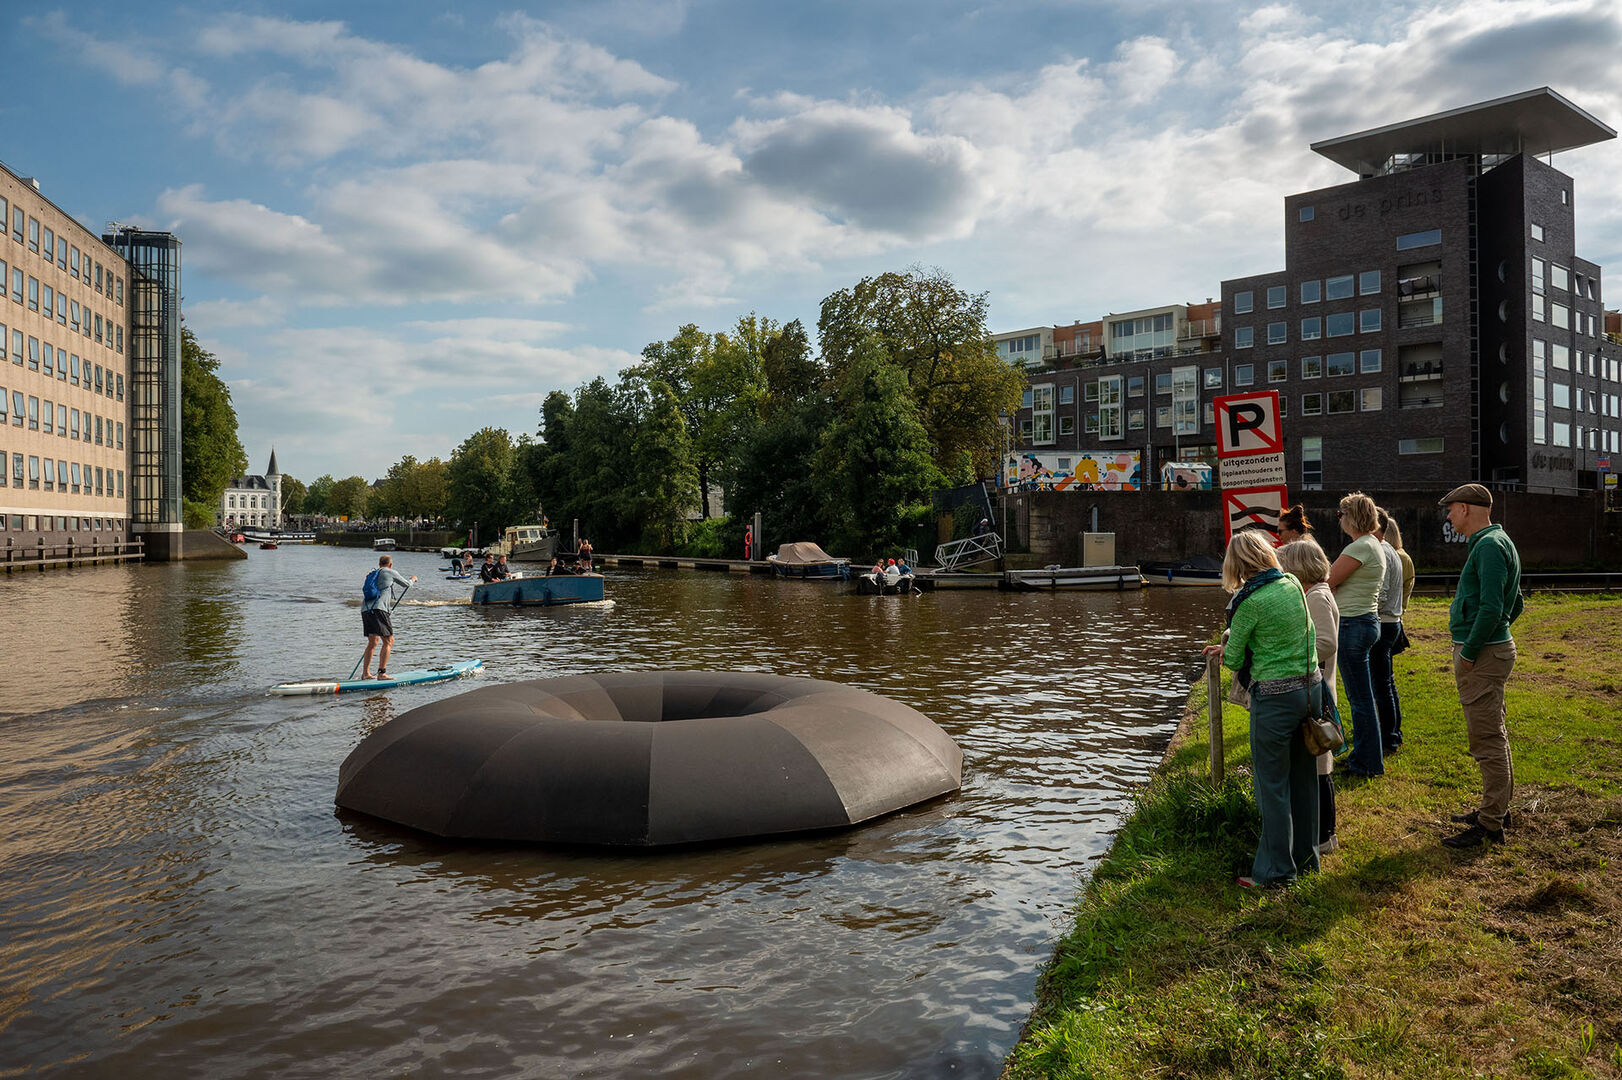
369,588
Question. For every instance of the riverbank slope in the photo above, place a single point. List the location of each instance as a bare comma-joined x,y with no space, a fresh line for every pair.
1402,958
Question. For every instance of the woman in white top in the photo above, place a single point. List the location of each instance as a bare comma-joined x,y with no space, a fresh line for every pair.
1387,706
1355,576
1307,561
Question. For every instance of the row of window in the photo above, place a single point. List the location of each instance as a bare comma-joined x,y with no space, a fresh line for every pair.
1565,358
1549,275
55,363
1038,430
59,253
62,522
249,502
72,477
1334,365
57,419
1339,287
1342,324
107,332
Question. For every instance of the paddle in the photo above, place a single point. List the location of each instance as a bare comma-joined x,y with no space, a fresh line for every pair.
393,603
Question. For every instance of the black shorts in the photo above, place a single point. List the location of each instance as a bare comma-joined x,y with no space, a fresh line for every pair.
376,623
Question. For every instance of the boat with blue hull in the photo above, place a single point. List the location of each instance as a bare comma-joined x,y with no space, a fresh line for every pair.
806,561
539,591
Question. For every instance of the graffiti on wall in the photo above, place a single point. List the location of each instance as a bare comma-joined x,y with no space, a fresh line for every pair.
1075,472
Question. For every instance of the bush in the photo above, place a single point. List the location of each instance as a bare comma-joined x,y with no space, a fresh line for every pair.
196,515
709,539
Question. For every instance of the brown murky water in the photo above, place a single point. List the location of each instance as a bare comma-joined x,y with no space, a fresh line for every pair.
178,896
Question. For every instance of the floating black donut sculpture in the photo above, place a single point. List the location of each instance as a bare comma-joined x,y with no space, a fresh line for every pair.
649,758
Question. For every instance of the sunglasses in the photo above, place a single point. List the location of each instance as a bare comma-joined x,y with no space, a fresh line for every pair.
1340,513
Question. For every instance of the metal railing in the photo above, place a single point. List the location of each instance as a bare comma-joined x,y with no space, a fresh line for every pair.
970,551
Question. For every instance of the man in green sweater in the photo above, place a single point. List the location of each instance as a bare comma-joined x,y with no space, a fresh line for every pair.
1487,601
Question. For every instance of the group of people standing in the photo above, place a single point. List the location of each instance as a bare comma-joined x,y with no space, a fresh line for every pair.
1296,620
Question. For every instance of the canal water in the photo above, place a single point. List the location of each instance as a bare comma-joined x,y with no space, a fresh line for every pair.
178,895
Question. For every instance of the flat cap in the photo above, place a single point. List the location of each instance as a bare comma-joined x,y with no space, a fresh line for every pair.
1473,494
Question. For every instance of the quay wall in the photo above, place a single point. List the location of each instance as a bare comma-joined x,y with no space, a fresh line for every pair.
1551,531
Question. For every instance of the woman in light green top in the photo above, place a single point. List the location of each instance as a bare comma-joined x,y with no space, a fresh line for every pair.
1355,578
1270,647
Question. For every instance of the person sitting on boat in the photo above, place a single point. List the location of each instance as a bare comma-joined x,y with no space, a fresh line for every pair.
902,567
502,573
878,566
487,572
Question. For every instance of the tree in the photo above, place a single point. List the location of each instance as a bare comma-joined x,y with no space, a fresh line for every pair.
211,455
874,465
936,334
667,479
318,498
348,498
790,372
293,495
477,482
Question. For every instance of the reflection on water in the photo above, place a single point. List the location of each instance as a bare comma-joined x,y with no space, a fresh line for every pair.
180,893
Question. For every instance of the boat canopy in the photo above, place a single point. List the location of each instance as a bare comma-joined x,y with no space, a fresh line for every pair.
803,553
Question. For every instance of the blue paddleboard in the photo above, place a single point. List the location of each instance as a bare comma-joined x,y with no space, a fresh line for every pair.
404,678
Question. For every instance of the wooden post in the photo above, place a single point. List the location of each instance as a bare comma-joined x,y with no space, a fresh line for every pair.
1213,693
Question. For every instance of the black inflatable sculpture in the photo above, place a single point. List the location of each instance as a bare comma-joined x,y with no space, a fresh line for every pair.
649,758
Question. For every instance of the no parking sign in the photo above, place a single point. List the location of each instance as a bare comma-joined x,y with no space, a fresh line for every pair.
1250,458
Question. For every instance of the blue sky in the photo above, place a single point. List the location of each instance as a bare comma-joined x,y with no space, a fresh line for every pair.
420,219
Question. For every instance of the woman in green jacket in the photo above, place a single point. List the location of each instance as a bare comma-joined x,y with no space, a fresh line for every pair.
1271,647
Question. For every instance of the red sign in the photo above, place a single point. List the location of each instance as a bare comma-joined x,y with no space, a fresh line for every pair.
1248,424
1259,507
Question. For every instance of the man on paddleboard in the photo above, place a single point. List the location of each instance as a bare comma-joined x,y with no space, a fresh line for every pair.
374,614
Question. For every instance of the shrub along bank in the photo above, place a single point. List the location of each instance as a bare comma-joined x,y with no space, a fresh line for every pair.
1402,958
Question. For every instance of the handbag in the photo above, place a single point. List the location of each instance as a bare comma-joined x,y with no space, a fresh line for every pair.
1321,729
1238,693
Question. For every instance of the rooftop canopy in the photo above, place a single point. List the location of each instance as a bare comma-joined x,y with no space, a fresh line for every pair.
1533,122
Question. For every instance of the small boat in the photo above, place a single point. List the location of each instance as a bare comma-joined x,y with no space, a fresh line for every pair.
384,543
1195,570
238,538
526,543
542,590
808,562
405,678
889,583
267,545
1096,578
279,536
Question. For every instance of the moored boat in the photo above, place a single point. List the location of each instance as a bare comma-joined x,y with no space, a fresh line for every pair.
384,543
808,562
542,590
526,543
1097,578
1195,570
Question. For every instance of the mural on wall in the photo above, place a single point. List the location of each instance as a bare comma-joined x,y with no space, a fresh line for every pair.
1075,472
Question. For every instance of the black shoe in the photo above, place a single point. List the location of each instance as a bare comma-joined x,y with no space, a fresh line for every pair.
1474,837
1473,817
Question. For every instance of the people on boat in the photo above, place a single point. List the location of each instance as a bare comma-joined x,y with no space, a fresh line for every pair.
902,567
375,620
487,572
585,555
878,566
502,573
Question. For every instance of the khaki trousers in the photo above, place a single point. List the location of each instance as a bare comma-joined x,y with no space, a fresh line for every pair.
1481,693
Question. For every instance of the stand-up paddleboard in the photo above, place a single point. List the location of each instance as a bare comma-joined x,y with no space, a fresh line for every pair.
405,678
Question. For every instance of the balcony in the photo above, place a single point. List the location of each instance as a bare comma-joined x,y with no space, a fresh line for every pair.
1419,313
1419,288
1429,371
1198,328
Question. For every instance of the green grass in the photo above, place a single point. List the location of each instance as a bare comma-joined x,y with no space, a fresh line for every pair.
1400,959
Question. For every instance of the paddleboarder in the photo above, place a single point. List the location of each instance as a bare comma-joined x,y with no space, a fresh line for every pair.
375,620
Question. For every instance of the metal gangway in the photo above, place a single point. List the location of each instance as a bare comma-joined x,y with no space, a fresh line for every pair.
970,551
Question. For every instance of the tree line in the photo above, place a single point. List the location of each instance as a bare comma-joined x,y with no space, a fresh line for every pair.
842,443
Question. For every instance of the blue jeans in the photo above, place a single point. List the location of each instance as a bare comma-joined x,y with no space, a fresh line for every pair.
1358,636
1387,706
1285,779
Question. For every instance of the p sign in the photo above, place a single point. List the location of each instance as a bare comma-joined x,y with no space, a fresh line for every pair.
1260,507
1248,424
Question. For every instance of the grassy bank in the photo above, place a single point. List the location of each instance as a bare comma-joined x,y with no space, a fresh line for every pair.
1402,958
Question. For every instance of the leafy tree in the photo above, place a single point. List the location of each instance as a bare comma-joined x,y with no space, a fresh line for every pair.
477,482
318,498
599,474
667,479
412,489
774,476
293,495
348,498
874,465
936,334
211,455
790,372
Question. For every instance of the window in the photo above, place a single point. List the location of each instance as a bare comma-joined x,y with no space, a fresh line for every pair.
1368,282
1278,370
1312,329
1311,292
33,293
1312,367
1089,423
18,409
1342,363
1312,462
17,223
1089,391
1559,396
1244,337
33,234
1341,401
1110,390
1560,357
33,354
1537,275
1025,399
1277,333
1243,302
1213,378
1134,420
76,475
1277,296
1025,430
1163,383
50,474
1340,325
1560,315
33,472
1162,416
48,248
1307,213
1134,386
1537,232
1067,425
1041,414
1559,277
1369,399
17,278
1312,404
1368,321
1283,407
1185,400
1338,288
1419,239
1067,394
1369,361
1244,374
49,410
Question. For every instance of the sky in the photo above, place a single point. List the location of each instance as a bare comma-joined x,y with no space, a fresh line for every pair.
417,221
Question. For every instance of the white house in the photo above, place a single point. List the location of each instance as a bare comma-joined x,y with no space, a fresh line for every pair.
254,501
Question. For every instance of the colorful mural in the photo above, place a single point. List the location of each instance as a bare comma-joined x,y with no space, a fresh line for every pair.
1075,472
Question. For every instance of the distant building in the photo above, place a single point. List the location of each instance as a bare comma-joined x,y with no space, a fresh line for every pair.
254,501
1433,323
